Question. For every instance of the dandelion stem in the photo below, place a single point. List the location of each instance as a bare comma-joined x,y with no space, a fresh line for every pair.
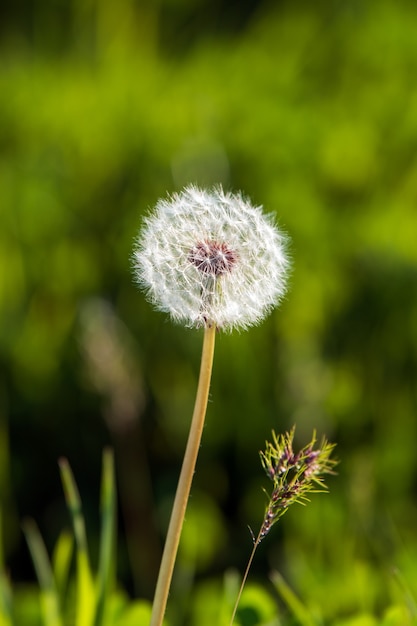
245,575
185,480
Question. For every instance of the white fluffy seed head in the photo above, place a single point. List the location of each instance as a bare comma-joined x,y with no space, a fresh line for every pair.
209,257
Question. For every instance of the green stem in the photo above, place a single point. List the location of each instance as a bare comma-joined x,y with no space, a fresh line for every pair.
255,545
185,480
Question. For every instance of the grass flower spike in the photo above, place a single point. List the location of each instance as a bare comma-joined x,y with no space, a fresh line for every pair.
210,257
294,476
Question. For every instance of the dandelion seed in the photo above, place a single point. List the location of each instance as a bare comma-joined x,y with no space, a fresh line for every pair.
211,258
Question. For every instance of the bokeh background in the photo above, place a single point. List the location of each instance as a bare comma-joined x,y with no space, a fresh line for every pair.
311,110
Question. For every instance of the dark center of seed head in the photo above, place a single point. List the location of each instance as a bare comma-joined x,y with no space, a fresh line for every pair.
211,257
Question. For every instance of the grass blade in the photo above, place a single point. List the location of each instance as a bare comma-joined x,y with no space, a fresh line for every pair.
108,529
299,611
5,590
61,561
48,595
86,596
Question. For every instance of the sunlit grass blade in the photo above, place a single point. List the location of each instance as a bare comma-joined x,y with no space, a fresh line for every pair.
299,611
5,590
107,539
231,584
409,598
5,601
48,595
61,562
86,596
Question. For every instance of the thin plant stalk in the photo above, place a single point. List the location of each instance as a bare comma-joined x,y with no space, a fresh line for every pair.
185,480
245,575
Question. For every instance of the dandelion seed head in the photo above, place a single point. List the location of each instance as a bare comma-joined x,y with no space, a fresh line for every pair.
210,257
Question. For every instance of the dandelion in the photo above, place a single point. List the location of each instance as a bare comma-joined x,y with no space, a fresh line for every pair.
210,257
294,476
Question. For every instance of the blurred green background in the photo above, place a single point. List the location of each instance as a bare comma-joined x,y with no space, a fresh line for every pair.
311,110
